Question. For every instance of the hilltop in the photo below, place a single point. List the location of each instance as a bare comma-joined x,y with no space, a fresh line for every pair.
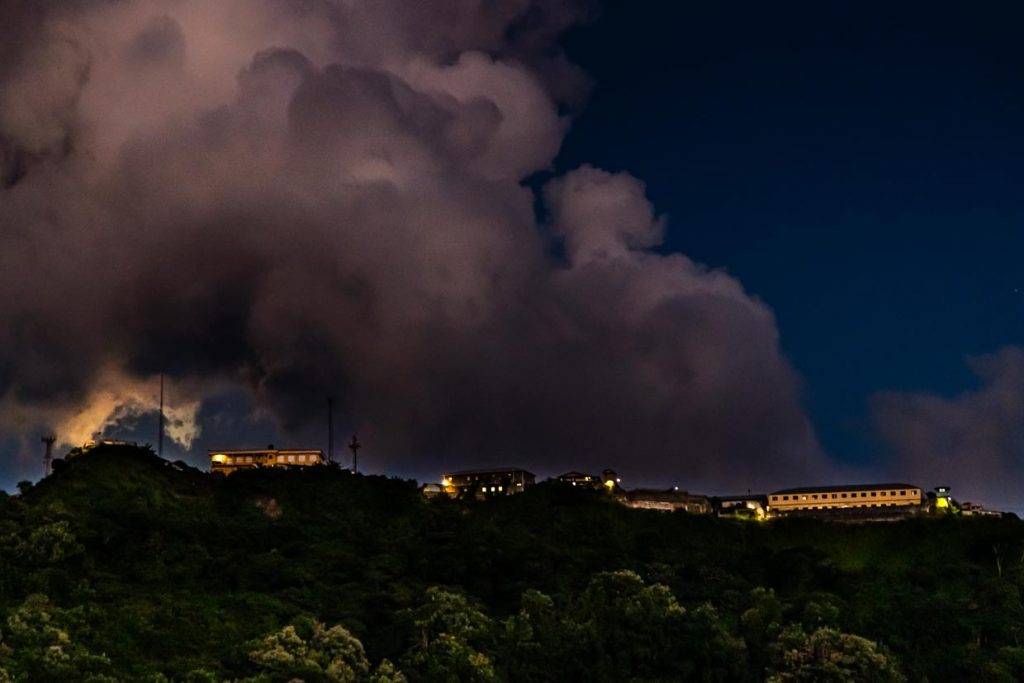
133,566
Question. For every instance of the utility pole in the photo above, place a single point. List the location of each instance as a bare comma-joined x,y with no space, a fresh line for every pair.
160,436
48,458
354,446
330,429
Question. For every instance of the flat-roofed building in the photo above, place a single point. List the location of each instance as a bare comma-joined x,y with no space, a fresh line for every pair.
667,500
753,506
840,497
228,461
503,480
581,479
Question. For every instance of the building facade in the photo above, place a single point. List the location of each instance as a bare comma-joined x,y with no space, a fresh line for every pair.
581,479
666,501
844,497
748,506
504,480
229,461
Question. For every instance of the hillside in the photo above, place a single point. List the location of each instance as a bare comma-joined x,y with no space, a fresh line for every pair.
122,566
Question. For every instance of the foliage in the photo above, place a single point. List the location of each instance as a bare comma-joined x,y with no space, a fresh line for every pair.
830,656
309,651
122,566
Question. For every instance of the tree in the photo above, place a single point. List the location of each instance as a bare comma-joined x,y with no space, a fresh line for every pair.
38,644
451,638
310,652
830,656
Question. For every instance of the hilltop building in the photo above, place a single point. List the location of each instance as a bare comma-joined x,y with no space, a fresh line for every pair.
608,478
749,506
96,441
580,479
228,461
503,480
667,501
844,497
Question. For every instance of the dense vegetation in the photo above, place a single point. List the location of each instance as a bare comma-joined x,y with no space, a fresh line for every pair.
121,566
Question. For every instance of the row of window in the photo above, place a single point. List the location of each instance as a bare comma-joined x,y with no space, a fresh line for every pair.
835,496
512,476
249,459
850,505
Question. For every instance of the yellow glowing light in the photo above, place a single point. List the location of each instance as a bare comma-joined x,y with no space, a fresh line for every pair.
445,482
220,457
610,484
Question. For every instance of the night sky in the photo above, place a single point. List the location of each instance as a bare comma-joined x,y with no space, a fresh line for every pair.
716,245
856,165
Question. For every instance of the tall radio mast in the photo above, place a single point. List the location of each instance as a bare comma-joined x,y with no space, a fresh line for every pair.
160,436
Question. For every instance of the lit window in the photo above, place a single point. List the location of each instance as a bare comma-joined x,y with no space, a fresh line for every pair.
302,458
280,458
499,488
248,458
291,458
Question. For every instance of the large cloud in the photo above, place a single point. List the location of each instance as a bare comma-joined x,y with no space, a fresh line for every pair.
973,441
306,199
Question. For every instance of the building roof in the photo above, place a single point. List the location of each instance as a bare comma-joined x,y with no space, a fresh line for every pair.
745,496
575,475
662,495
492,470
847,487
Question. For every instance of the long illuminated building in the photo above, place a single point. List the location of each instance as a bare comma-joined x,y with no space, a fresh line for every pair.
228,461
504,480
839,497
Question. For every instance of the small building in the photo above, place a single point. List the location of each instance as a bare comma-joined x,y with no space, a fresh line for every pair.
667,501
501,480
580,479
943,499
969,509
228,461
750,506
96,441
607,479
844,497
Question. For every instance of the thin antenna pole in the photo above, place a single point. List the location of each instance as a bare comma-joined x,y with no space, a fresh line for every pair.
330,429
160,437
355,446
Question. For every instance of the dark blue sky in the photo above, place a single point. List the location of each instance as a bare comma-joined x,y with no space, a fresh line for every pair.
856,164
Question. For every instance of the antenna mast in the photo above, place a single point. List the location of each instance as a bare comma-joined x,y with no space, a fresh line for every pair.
330,429
48,458
354,446
160,437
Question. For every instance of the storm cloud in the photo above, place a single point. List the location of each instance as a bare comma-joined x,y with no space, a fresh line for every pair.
307,198
973,441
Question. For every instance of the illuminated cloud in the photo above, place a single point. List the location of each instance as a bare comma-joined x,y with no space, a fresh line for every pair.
973,441
304,199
